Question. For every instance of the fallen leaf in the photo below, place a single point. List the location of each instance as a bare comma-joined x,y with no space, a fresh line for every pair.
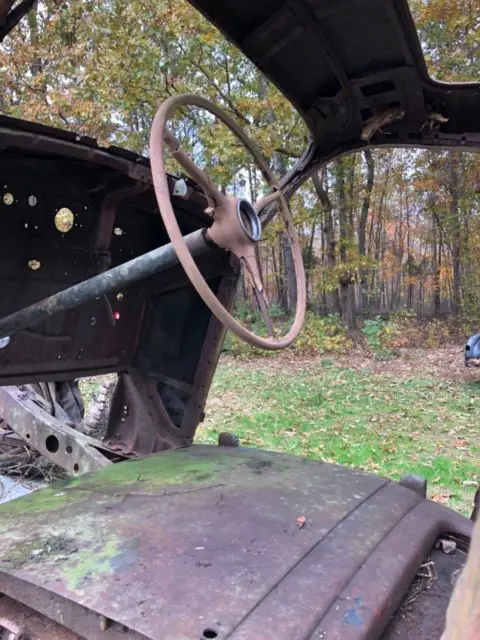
442,498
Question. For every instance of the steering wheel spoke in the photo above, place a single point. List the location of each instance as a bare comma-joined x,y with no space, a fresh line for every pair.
214,195
267,200
262,303
253,275
236,224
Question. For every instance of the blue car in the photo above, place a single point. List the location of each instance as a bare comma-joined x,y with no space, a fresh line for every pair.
472,351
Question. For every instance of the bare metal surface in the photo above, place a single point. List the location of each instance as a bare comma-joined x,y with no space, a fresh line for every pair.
67,447
139,422
111,204
369,600
415,483
31,625
208,538
14,631
144,328
116,278
226,231
35,626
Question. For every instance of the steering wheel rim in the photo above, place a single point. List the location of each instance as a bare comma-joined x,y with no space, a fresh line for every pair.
222,232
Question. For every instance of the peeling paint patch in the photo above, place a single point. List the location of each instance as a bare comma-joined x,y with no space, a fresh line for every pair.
353,618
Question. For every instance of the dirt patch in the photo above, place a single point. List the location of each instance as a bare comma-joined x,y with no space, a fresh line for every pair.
445,363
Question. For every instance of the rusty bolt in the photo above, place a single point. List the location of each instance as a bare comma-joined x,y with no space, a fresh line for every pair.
414,483
104,623
226,439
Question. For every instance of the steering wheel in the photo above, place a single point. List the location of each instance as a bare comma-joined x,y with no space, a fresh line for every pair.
236,224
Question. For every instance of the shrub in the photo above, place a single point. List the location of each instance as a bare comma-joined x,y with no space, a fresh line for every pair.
374,331
320,334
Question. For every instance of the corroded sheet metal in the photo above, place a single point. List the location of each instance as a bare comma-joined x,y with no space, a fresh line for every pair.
59,442
367,603
25,623
204,538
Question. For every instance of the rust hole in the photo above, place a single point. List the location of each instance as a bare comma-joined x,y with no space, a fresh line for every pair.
64,220
118,231
8,199
119,296
68,449
34,265
32,201
209,633
52,444
76,468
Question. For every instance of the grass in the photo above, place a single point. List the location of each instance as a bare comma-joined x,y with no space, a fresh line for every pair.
379,423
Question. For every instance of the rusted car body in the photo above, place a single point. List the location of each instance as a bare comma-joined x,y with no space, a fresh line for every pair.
202,542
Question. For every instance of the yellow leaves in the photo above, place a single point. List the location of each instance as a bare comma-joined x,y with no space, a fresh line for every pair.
124,58
449,34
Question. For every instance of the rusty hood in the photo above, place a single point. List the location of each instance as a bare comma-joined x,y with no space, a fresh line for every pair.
208,542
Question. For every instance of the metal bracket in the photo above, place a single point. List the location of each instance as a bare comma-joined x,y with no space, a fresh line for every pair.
414,483
61,444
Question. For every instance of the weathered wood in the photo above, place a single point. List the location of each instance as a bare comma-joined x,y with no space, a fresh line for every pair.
463,615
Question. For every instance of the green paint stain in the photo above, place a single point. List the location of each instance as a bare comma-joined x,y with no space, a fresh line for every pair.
89,564
181,470
164,469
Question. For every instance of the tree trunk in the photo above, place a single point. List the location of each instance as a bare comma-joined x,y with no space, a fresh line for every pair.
362,223
289,274
437,265
346,283
309,262
453,184
328,233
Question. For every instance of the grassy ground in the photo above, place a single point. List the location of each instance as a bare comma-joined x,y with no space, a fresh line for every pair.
396,418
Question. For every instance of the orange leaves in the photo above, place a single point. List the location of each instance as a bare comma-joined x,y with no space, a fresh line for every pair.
442,497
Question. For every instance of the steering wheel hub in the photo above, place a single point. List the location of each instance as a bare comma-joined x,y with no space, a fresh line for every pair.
249,221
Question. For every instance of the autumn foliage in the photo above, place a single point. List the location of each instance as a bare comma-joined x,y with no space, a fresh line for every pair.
381,230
